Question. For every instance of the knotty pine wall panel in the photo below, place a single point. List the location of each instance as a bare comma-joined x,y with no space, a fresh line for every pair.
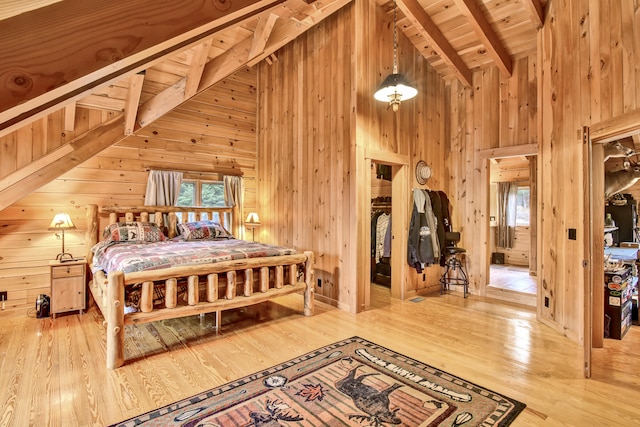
207,137
317,120
589,54
304,153
497,112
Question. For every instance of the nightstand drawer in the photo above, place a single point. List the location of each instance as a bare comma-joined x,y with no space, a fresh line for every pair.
67,271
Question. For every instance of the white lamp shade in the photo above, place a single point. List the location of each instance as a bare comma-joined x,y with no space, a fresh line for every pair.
252,220
395,87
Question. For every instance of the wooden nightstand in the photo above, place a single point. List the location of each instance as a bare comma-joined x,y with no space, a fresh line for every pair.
68,284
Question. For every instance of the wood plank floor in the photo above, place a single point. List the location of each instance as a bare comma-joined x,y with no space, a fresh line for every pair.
512,283
52,371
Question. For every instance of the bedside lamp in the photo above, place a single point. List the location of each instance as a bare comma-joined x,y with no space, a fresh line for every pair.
62,222
252,222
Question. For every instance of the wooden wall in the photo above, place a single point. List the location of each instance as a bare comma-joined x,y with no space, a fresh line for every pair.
209,136
495,118
319,128
589,55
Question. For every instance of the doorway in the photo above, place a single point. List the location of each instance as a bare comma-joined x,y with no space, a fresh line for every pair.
399,225
511,260
595,137
512,272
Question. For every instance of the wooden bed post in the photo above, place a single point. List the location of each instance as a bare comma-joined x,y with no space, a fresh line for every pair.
91,235
115,320
308,279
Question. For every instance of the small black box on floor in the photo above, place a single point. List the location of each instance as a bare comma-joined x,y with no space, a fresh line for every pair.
497,258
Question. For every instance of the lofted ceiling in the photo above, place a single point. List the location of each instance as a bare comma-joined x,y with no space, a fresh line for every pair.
140,59
90,56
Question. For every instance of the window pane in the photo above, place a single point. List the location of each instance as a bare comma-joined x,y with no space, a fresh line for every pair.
522,206
213,194
187,194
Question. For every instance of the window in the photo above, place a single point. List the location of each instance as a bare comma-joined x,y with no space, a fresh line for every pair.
201,193
522,206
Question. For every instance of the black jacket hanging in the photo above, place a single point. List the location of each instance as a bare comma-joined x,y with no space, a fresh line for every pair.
419,244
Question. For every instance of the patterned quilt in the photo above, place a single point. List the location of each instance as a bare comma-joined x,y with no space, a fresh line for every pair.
130,257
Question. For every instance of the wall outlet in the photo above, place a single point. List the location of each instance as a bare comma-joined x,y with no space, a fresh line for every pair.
546,302
319,283
3,296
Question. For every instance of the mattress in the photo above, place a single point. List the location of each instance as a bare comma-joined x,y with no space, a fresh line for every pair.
144,256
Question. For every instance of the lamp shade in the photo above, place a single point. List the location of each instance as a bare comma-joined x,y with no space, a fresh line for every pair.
394,89
62,221
252,220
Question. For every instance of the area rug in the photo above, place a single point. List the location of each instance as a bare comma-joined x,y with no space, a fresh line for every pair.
350,383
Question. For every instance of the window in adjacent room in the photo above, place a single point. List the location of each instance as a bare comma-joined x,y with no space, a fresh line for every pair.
522,206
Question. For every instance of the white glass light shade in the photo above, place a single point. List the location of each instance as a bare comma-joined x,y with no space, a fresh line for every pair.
394,89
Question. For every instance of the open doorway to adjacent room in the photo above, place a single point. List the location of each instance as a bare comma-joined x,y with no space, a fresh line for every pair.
512,234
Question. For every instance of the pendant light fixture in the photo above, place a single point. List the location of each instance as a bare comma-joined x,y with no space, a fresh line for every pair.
395,87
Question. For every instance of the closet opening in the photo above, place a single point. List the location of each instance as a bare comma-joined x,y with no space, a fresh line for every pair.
381,210
384,274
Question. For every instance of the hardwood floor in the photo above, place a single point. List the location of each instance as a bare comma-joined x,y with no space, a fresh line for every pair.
512,283
513,277
52,372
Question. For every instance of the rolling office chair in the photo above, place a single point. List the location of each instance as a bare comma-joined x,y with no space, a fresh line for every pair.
454,274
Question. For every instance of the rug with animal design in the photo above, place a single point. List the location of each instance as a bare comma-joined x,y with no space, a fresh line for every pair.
350,383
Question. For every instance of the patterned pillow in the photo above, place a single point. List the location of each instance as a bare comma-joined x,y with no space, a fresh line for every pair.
199,230
134,232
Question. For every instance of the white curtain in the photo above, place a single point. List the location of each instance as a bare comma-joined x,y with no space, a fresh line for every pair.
233,196
507,195
163,188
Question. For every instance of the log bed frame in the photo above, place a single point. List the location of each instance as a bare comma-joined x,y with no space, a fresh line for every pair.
109,292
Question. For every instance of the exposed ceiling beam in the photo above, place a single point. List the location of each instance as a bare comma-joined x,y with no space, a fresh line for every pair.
483,29
536,12
234,59
198,61
70,117
428,29
42,69
261,34
67,157
133,100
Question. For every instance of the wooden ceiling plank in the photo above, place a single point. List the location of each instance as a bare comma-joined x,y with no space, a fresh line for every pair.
489,38
536,12
133,99
261,34
426,27
195,70
119,36
70,117
62,160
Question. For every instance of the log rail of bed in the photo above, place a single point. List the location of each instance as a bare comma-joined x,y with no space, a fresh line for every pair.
291,273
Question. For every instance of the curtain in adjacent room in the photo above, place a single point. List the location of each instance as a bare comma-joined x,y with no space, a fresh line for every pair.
163,188
507,194
233,196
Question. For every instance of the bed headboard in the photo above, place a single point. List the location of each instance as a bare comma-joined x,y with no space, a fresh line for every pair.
163,216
